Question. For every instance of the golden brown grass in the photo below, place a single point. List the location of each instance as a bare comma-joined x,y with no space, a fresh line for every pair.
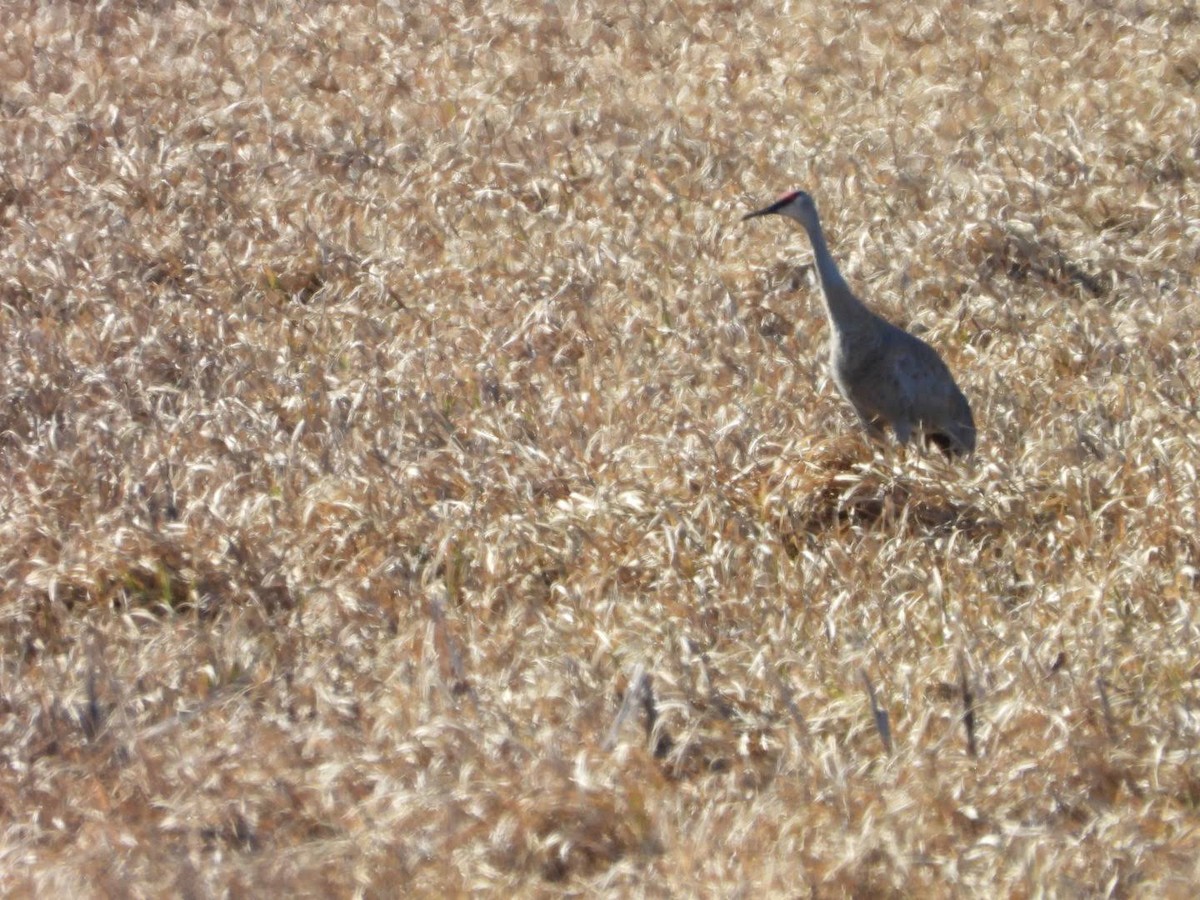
416,479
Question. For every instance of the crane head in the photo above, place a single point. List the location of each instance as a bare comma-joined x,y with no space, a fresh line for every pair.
796,205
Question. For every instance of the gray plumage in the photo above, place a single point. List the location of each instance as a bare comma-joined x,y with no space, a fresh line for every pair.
889,376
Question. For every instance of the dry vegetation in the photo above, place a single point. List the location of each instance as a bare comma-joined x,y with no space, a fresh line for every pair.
416,479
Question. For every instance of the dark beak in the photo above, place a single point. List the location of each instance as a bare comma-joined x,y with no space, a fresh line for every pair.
767,210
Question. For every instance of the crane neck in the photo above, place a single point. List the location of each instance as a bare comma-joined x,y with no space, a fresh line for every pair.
846,311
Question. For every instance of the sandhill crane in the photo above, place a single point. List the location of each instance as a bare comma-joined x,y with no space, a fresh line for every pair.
888,375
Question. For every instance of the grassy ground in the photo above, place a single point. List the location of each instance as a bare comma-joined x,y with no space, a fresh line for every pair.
415,477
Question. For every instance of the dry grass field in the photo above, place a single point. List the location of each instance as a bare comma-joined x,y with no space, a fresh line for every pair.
415,479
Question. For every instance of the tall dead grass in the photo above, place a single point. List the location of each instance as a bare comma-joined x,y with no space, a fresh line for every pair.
416,479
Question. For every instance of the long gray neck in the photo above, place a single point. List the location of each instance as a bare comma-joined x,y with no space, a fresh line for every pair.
846,312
